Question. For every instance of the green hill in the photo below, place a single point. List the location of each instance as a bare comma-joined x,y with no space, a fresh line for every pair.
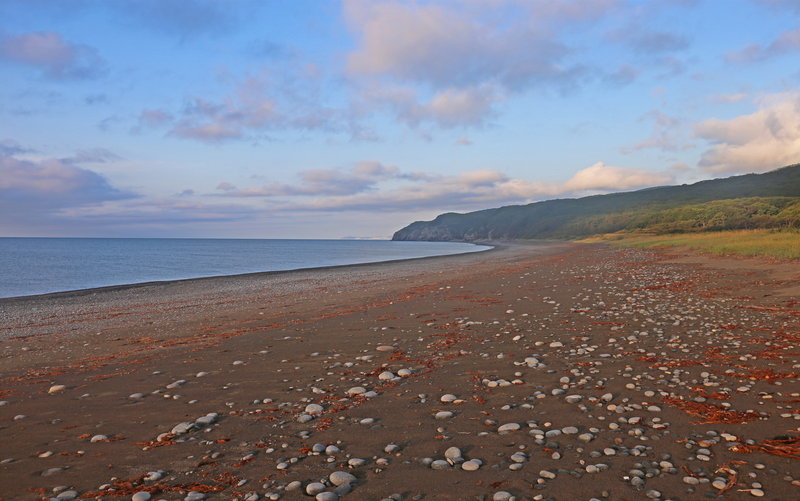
764,200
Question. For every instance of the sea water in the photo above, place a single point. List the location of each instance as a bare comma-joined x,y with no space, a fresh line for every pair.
41,265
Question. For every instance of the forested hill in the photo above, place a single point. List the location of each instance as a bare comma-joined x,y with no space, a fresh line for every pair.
753,200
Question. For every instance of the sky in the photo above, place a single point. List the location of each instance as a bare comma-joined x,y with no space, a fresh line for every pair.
353,118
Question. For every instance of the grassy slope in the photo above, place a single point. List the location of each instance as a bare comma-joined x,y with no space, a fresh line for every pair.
783,244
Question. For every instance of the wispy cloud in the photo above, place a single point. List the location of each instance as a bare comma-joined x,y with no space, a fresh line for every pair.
365,188
55,57
786,42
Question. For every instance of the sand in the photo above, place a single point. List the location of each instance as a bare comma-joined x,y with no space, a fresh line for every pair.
623,374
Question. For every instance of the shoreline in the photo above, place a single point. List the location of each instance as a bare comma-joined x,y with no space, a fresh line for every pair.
566,361
254,274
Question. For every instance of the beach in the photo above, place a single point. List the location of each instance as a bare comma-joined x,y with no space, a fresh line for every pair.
531,371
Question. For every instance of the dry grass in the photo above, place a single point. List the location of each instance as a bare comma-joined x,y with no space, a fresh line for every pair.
783,244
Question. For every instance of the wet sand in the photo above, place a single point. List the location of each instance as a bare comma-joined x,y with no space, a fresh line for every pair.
576,372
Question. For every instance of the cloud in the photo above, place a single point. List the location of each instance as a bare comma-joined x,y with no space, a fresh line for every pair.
154,118
729,98
257,104
792,5
47,184
466,54
54,56
667,134
177,18
362,188
94,155
11,147
608,178
788,41
758,142
323,182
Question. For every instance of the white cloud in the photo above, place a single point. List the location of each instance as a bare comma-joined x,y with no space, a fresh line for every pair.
608,178
758,142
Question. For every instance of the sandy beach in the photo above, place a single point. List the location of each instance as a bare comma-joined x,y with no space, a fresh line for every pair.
528,372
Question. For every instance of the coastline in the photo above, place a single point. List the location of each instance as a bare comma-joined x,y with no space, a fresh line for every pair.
131,363
105,288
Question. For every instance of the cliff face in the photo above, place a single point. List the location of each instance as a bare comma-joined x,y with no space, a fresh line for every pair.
566,218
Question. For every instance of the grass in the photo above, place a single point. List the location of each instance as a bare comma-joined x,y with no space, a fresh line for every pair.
783,244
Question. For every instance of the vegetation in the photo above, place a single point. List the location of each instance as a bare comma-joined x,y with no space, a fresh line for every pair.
752,201
784,244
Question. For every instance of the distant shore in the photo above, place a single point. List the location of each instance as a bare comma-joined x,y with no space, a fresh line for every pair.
541,364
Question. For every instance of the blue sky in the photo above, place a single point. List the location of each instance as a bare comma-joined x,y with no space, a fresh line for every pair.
324,119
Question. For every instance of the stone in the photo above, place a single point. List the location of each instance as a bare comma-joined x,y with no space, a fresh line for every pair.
386,376
452,453
502,496
470,465
327,496
314,488
440,464
356,390
341,477
314,409
448,398
508,427
547,474
56,388
141,496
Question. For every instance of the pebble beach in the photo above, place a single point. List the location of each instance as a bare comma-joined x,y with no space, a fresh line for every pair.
550,371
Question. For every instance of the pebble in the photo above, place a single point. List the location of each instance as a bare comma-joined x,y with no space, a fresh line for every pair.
327,496
56,388
314,488
441,415
508,427
547,474
471,465
452,453
448,398
341,477
440,464
502,496
194,496
141,496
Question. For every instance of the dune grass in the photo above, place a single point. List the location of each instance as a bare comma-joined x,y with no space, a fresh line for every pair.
782,244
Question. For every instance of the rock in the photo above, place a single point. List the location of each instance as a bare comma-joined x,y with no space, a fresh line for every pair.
314,409
314,488
440,464
470,465
98,438
67,495
547,474
332,450
194,496
448,398
519,457
136,396
56,388
181,428
141,496
293,485
508,427
569,430
452,453
327,496
404,372
757,493
51,471
356,390
573,399
441,415
386,376
341,477
502,496
385,347
691,480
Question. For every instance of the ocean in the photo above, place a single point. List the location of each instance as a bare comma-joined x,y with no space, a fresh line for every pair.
31,266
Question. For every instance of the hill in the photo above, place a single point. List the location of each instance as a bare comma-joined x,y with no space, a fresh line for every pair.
764,200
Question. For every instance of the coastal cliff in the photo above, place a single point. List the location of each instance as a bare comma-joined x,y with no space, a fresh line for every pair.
764,200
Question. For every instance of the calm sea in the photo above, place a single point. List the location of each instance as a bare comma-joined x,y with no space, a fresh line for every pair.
41,265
